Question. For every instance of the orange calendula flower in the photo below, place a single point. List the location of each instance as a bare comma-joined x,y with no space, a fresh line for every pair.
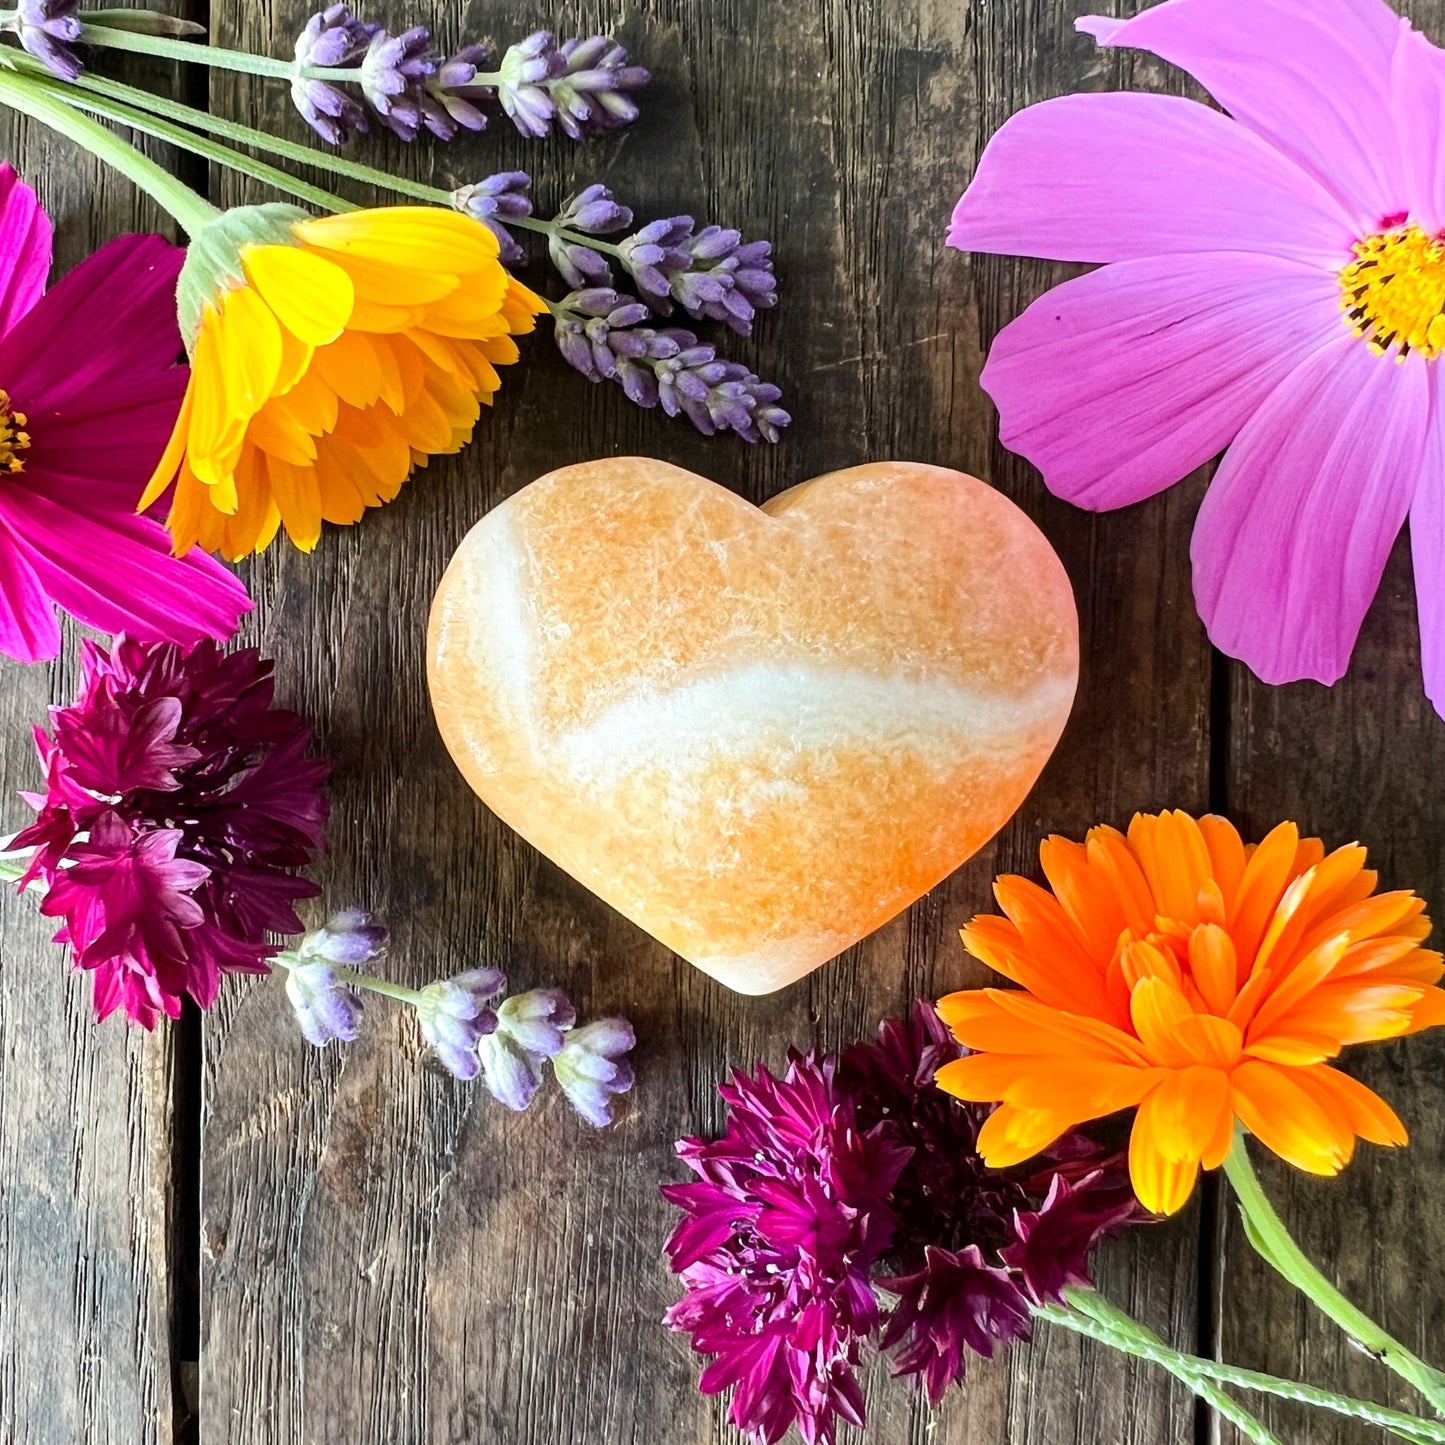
329,356
1201,980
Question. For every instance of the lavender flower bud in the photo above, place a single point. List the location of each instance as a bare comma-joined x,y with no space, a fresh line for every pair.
592,92
451,92
47,29
537,1022
494,202
524,71
455,1017
393,78
718,395
727,281
326,1008
591,1068
512,1075
654,255
594,212
353,938
331,39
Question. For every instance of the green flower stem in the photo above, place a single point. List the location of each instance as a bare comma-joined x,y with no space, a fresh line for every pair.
1112,1319
398,991
213,55
290,150
1142,1344
35,99
198,145
1266,1232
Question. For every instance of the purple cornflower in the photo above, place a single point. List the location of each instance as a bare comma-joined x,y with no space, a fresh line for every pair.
496,201
781,1231
456,1015
178,802
973,1247
591,1069
331,39
599,334
47,29
592,212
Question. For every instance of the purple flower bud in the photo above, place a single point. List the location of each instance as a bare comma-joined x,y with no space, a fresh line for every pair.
524,71
656,253
47,29
331,39
452,99
353,938
591,1068
326,1008
494,202
455,1016
593,91
393,78
511,1074
537,1021
594,211
723,278
578,265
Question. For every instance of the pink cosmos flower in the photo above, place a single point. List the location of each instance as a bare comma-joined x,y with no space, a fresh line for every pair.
1274,283
90,394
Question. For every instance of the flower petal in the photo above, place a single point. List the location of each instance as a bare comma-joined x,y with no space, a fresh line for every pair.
1427,548
1417,92
114,571
1118,177
113,312
25,235
29,631
1311,79
1296,527
1117,384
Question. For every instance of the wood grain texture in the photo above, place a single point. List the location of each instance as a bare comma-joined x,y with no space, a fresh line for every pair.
86,1225
389,1255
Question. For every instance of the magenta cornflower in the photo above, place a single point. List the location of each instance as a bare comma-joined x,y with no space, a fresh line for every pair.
783,1226
972,1247
89,390
179,802
844,1179
1274,284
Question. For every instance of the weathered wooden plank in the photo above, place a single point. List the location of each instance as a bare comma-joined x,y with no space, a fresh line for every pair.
86,1268
1358,761
389,1257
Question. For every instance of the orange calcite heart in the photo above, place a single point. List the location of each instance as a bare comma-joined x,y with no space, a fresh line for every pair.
757,733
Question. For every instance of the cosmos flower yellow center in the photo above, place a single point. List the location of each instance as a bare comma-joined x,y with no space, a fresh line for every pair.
1393,292
14,439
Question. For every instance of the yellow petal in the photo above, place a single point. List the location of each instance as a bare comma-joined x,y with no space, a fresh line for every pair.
312,297
425,237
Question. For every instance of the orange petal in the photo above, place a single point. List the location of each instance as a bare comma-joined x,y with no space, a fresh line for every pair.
1287,1119
1009,1135
1226,855
1363,1110
1114,863
1214,966
1007,1021
1157,1009
1184,1118
1266,875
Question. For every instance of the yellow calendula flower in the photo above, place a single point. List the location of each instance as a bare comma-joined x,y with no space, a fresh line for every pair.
329,356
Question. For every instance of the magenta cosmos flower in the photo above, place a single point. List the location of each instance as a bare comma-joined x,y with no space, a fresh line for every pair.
1275,283
178,802
90,394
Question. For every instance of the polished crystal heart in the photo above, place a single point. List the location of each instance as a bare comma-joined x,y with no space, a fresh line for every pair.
759,733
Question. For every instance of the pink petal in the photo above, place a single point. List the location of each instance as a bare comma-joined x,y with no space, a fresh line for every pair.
24,248
114,313
1311,77
1299,520
1427,549
1117,177
1418,91
28,629
1119,383
114,571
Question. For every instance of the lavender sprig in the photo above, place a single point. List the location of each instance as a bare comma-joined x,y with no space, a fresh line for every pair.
584,85
47,29
599,333
496,202
474,1031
